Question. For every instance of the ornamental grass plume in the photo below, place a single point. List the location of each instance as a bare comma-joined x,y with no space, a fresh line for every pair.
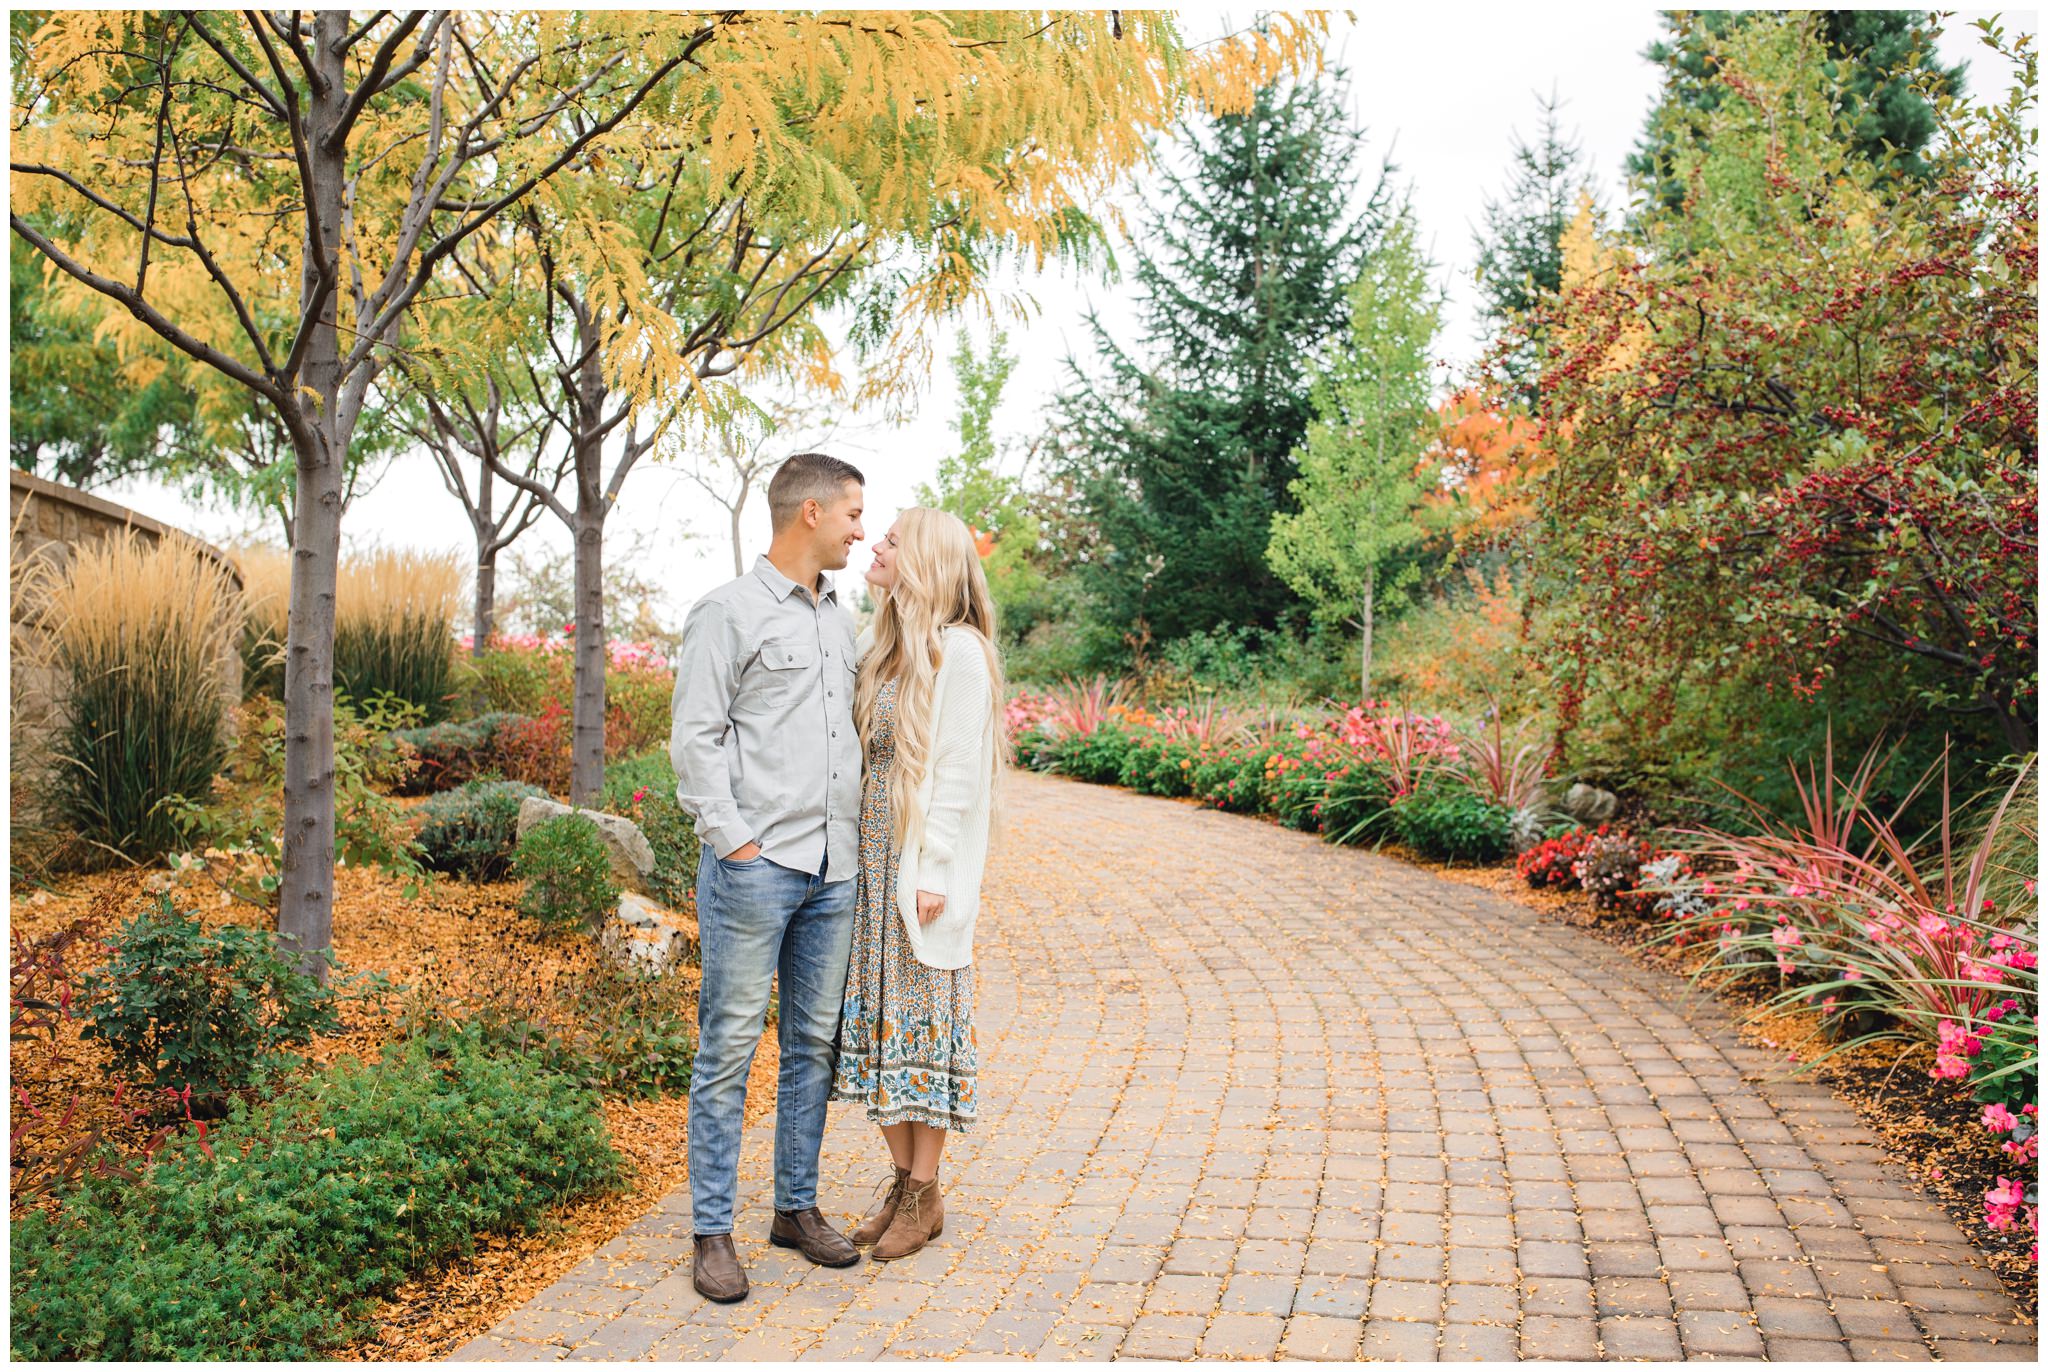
1085,706
394,613
266,597
133,627
1503,766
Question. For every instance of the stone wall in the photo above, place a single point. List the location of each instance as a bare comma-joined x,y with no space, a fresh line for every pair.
48,521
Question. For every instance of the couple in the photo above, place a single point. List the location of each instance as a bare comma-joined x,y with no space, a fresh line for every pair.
843,792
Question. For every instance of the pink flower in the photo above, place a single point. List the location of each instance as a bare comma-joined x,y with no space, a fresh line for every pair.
1948,1067
2002,1204
1785,936
1957,1039
1998,1119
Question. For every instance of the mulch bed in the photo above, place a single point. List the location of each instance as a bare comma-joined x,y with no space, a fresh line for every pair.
1930,1130
454,941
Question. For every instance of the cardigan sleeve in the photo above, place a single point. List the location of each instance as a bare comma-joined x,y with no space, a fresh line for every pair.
957,756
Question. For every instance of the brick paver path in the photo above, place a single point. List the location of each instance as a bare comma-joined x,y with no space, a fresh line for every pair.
1248,1095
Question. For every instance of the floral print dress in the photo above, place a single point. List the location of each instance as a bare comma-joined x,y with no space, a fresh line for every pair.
906,1038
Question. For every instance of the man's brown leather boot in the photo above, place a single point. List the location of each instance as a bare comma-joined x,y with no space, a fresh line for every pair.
812,1235
715,1269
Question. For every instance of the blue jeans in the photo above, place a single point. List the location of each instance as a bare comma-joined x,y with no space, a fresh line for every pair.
754,920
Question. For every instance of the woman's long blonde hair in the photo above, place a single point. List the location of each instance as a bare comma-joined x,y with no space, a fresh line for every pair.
939,583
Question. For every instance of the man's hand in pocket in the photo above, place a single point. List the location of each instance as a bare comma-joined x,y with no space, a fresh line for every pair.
746,852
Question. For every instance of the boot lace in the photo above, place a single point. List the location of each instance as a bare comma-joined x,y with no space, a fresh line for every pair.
910,1205
886,1191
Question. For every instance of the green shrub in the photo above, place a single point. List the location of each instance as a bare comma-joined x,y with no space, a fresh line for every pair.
638,1040
452,753
643,789
242,814
568,874
1262,664
1037,749
1096,757
472,829
522,680
1229,780
623,1034
676,848
1356,804
276,1245
213,1011
1295,795
1450,824
1157,766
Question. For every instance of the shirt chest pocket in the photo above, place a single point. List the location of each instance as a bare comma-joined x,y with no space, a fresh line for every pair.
781,673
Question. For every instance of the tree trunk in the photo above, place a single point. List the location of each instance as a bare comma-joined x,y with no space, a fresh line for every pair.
483,622
484,611
586,769
305,910
1365,644
739,566
586,746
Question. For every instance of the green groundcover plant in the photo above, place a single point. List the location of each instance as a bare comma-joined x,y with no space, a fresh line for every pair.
274,1241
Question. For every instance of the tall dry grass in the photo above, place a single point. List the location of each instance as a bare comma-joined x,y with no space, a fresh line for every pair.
266,597
393,617
132,626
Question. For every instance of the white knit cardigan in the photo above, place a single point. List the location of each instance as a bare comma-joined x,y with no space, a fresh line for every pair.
954,802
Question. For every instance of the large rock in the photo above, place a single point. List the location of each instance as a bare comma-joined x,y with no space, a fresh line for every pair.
1590,804
644,938
632,857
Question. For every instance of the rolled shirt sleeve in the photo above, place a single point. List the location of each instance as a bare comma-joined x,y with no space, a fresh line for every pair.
707,678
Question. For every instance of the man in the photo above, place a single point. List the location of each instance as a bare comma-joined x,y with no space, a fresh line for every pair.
768,765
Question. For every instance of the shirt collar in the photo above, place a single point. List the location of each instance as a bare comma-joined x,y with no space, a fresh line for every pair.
782,587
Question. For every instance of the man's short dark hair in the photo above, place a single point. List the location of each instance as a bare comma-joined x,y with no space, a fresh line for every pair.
807,476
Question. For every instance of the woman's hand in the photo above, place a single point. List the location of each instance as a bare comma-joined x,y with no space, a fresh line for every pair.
929,907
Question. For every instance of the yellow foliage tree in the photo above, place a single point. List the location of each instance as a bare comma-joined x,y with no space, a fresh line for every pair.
272,194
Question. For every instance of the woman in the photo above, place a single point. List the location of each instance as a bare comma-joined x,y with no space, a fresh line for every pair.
927,705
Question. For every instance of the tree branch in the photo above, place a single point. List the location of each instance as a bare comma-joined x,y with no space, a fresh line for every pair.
149,315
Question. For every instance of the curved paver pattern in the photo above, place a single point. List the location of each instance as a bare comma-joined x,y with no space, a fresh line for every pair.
1249,1095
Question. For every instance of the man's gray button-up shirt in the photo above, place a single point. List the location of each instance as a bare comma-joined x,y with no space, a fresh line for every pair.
762,733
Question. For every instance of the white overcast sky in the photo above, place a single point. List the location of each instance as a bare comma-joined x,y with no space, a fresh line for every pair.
1445,86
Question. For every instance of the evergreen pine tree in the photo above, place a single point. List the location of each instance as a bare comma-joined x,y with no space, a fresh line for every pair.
1521,259
1873,54
1183,458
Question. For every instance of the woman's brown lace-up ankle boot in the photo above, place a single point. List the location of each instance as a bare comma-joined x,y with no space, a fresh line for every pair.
877,1222
920,1217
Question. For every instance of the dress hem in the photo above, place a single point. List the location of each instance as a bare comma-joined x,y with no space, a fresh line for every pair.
908,1114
